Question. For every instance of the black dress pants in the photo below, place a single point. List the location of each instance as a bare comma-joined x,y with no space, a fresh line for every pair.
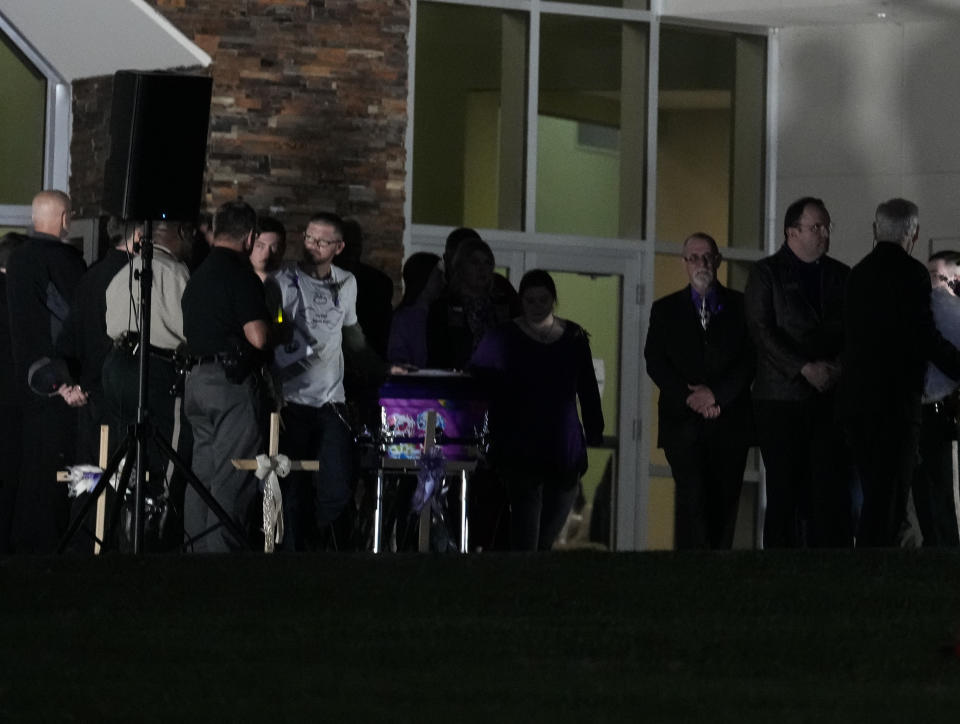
886,453
708,478
810,478
121,385
10,427
48,444
933,495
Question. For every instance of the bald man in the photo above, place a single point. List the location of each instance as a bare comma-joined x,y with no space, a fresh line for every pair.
42,275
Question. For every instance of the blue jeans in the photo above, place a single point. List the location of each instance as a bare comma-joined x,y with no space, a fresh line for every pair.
315,433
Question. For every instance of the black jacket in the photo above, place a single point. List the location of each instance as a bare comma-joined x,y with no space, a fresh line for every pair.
787,330
680,352
890,336
42,276
84,342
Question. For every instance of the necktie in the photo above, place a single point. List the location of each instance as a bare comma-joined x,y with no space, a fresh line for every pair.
704,313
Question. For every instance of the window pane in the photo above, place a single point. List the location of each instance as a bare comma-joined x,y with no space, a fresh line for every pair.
22,113
625,4
593,301
469,111
591,127
711,130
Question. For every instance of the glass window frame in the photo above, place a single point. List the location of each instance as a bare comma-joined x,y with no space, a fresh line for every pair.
517,246
58,120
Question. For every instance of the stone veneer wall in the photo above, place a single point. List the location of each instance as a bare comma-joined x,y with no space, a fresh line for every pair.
309,112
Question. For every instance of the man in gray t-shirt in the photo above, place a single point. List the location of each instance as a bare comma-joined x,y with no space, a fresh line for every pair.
315,303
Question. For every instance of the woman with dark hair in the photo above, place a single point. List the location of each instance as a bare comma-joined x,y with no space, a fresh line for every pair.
471,306
538,365
408,328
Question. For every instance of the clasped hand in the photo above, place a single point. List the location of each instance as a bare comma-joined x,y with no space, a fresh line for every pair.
822,374
702,401
73,395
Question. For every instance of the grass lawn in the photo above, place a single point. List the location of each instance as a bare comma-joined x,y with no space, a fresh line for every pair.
589,637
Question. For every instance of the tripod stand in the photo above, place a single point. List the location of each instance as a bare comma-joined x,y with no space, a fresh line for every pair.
136,438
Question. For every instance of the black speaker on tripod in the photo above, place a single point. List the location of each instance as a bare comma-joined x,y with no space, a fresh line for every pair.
158,129
154,172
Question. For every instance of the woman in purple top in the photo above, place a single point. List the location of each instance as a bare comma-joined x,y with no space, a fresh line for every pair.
422,284
538,365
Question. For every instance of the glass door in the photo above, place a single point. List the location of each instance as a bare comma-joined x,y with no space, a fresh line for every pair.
596,288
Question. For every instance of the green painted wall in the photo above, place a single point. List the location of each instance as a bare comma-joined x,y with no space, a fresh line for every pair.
593,302
578,189
22,114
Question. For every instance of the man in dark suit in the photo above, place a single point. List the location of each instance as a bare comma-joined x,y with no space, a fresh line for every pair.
794,304
890,336
699,354
84,342
10,404
42,275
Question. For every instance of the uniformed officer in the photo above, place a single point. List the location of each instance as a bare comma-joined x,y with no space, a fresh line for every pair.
225,323
121,371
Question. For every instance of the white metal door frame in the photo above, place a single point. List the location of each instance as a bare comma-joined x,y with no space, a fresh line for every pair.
519,252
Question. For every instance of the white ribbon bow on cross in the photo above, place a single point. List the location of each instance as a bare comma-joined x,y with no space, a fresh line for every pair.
270,470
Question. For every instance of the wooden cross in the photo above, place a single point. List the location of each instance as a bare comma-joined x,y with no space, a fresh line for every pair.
429,441
273,451
64,476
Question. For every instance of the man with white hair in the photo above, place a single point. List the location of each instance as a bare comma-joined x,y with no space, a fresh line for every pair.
42,275
889,338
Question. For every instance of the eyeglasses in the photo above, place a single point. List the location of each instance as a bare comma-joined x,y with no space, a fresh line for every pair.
816,228
698,259
317,241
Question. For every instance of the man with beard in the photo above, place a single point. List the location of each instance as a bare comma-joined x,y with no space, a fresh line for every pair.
699,354
317,303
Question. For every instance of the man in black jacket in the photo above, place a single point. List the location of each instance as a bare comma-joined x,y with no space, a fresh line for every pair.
699,354
41,278
84,342
794,304
890,337
10,404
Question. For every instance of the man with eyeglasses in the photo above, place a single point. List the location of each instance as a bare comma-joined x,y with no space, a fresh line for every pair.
794,306
890,338
699,354
316,310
